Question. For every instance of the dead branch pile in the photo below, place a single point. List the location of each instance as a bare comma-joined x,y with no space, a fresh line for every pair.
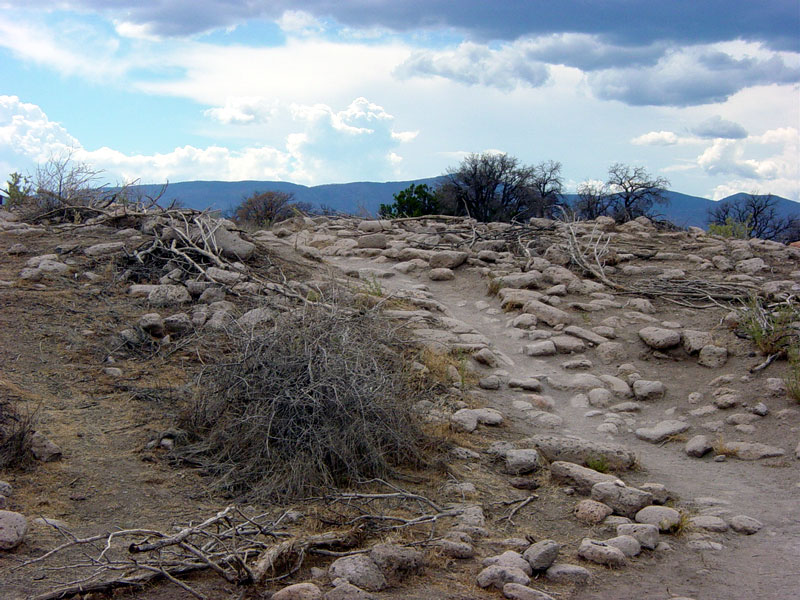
322,399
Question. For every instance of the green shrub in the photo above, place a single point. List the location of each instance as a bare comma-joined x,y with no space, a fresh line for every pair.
414,201
731,229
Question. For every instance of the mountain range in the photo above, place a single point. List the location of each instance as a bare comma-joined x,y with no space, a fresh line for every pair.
366,197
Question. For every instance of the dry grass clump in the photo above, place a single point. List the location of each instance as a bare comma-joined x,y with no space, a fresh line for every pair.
773,329
322,399
16,433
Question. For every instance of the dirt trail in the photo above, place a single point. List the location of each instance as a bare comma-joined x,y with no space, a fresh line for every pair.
764,566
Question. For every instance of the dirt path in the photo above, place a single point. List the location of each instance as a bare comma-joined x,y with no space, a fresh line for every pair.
765,565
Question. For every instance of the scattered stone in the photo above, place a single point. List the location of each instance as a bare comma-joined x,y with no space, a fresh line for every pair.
373,240
441,274
168,295
624,500
347,591
712,356
486,357
611,352
659,338
516,591
566,344
104,249
709,523
13,527
298,591
455,549
664,517
581,478
601,553
397,562
464,420
704,545
647,535
744,524
542,348
153,324
591,512
753,451
510,558
488,416
580,451
360,570
661,431
567,573
548,314
499,575
519,462
648,390
43,449
542,554
628,544
659,492
694,341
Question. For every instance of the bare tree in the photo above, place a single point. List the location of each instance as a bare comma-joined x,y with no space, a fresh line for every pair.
759,215
634,191
547,186
594,200
264,208
490,187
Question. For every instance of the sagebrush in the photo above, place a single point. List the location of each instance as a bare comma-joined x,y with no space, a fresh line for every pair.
321,399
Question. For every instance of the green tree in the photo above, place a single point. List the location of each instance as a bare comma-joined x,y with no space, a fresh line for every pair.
18,189
414,201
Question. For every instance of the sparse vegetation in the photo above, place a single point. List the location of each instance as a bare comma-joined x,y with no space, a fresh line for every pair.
16,433
773,329
792,378
731,229
598,463
322,399
414,201
262,209
720,448
753,215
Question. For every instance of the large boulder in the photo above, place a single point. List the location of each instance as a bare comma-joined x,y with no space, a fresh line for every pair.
13,527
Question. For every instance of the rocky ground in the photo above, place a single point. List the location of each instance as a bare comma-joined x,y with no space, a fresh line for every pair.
610,435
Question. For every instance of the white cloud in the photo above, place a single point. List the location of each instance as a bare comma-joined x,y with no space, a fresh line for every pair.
242,110
299,22
717,127
476,64
656,138
356,143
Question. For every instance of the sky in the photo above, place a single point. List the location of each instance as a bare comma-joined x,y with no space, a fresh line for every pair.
705,93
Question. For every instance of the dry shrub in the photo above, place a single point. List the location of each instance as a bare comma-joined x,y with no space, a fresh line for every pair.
16,431
322,399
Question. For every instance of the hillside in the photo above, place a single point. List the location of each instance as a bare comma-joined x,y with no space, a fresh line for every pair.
350,198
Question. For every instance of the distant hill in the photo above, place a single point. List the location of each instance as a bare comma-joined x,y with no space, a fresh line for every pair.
683,210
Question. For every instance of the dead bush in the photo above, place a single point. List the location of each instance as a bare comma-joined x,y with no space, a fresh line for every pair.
322,399
16,432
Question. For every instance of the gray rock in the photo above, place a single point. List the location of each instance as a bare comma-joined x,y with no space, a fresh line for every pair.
519,462
744,524
585,335
448,259
628,544
576,382
624,500
529,385
751,266
372,226
232,245
492,382
168,295
510,558
665,518
579,477
693,341
600,397
647,535
611,352
542,348
498,575
347,591
709,523
298,591
567,573
601,553
255,317
698,446
661,431
542,554
360,570
591,512
548,314
455,549
659,338
488,416
43,449
373,240
464,420
580,451
659,492
566,344
397,562
6,489
516,591
153,324
486,357
441,274
104,249
224,276
648,390
211,294
13,527
754,451
712,356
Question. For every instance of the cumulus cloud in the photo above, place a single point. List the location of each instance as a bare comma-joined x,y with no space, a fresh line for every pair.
299,22
242,110
358,142
589,52
477,64
691,76
717,127
767,161
656,138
